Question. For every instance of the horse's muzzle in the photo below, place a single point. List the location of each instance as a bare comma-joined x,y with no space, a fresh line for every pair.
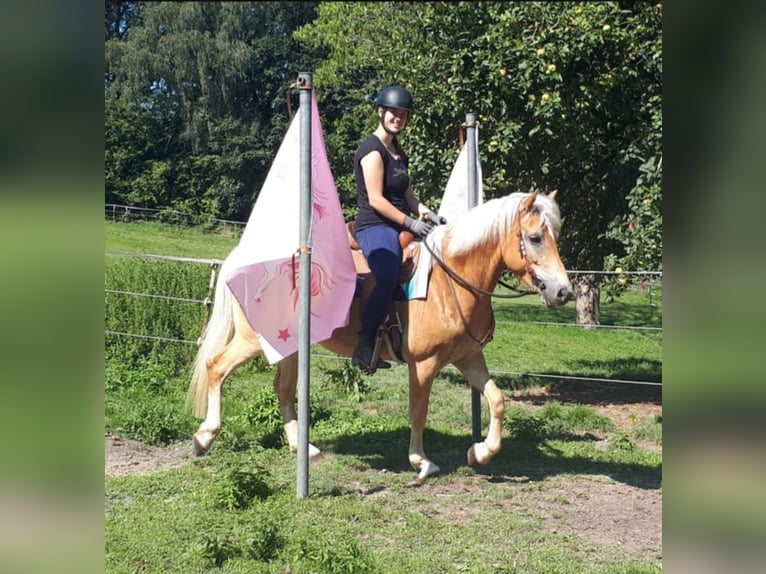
563,295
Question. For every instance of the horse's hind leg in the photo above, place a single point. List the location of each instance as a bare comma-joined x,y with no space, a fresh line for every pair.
238,351
285,383
475,370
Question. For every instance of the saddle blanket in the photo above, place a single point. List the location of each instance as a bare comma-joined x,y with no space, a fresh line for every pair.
417,286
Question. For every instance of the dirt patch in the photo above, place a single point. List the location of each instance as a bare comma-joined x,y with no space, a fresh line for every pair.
124,456
598,508
628,406
604,512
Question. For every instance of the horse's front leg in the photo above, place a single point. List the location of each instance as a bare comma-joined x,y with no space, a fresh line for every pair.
421,380
285,383
475,370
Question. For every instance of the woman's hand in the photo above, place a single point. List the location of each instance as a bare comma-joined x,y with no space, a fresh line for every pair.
436,219
423,211
418,227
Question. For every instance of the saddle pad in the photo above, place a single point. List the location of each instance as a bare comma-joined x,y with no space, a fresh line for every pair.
417,286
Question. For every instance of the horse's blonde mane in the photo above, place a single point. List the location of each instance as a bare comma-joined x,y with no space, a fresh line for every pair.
492,220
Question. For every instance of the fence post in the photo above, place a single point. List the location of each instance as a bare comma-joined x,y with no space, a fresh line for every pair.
473,201
304,276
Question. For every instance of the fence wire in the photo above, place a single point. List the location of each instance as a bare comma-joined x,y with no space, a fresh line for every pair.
151,296
217,262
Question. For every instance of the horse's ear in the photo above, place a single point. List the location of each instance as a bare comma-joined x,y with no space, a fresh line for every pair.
552,195
527,204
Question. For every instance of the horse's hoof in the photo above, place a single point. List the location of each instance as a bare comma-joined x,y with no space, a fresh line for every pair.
427,469
478,454
200,446
314,453
197,448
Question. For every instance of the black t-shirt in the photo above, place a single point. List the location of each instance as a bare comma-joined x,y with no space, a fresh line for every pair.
396,180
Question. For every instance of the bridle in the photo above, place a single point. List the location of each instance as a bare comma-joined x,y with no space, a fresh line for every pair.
536,282
453,276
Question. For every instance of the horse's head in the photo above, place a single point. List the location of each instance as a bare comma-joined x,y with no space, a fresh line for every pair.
531,251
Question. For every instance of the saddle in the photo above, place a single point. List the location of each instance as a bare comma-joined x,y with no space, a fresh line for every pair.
410,253
390,332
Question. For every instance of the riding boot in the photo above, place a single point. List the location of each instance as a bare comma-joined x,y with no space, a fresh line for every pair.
363,354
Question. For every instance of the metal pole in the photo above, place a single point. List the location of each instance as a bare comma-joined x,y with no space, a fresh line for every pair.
473,201
304,276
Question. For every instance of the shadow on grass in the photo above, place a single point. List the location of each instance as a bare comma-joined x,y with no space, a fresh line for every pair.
628,368
575,391
520,460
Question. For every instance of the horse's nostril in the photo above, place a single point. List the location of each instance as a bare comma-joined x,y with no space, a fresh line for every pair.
565,295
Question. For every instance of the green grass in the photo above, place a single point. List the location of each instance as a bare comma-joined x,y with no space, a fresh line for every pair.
362,515
161,239
235,510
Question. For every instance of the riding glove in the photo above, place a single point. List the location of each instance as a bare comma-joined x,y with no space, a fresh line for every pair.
436,219
418,227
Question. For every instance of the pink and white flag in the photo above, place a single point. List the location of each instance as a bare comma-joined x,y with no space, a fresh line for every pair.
455,198
265,264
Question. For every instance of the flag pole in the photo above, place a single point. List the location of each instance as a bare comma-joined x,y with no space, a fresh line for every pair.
473,201
305,87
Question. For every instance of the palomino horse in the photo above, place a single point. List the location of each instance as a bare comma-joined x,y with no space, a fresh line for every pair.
451,325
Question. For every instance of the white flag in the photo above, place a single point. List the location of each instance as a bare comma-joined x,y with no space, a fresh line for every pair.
264,275
455,198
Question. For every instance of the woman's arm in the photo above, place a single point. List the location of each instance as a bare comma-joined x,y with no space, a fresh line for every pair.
414,204
372,170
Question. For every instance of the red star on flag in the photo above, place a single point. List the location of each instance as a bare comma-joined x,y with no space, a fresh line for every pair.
284,334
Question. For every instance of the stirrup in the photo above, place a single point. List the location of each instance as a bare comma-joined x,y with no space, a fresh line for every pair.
375,361
393,326
369,363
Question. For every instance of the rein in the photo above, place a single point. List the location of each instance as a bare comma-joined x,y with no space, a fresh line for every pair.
470,287
465,284
512,288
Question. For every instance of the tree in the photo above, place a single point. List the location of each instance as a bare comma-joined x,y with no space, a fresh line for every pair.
119,17
213,75
568,96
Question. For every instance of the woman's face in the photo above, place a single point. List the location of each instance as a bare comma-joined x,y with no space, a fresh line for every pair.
394,119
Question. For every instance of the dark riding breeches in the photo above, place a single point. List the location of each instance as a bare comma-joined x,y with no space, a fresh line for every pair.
380,245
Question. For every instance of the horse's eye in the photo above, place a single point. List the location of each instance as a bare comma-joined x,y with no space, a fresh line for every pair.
535,238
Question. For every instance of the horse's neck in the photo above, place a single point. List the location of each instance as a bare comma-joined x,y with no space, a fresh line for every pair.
481,267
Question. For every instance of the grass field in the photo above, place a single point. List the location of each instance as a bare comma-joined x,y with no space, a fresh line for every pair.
573,490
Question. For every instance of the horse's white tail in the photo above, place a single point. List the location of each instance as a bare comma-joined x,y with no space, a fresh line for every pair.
217,333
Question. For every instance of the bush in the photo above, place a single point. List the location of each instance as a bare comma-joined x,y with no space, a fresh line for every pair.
151,418
525,425
337,556
236,489
260,541
349,378
561,421
554,420
145,402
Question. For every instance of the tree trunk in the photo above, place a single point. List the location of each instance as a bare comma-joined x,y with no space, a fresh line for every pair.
587,300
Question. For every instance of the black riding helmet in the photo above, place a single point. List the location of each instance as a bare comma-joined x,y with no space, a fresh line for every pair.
395,97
